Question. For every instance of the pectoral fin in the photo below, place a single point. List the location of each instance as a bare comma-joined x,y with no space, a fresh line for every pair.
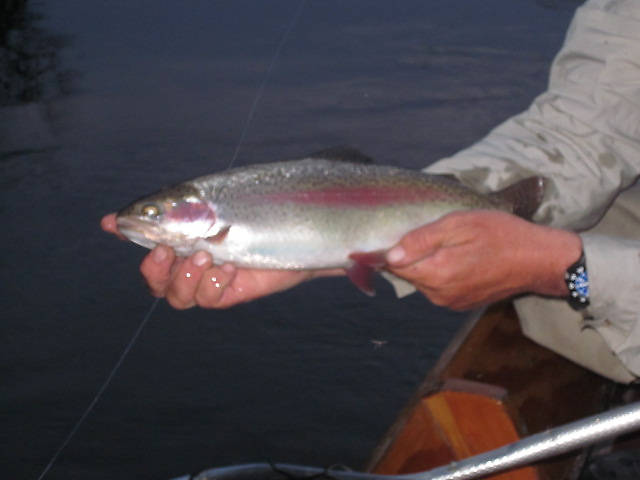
220,236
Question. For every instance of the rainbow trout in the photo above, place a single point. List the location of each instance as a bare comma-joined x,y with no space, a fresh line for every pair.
330,209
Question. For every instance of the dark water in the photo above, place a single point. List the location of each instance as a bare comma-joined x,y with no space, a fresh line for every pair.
160,91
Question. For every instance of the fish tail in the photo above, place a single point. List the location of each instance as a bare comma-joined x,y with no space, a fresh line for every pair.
524,196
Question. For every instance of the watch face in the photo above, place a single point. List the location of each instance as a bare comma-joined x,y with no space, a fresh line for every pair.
581,283
577,281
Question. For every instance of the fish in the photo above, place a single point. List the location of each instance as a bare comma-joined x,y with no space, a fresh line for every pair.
332,209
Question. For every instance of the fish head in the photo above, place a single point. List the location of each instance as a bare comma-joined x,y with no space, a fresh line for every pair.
177,216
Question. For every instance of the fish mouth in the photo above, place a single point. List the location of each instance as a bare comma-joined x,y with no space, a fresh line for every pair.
137,231
149,235
138,238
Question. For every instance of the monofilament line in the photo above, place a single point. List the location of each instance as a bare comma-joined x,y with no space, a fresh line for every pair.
104,386
134,338
267,75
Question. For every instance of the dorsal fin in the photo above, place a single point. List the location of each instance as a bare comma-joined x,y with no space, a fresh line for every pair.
450,177
341,153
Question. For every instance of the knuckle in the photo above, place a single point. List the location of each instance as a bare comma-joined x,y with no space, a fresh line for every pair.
176,303
210,291
156,292
414,237
436,299
454,219
442,300
178,297
437,274
206,300
152,275
440,297
144,269
421,241
443,262
223,306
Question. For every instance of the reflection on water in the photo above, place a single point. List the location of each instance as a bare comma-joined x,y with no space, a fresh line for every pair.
30,67
31,76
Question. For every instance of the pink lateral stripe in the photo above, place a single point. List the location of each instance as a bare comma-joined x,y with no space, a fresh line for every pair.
368,196
191,212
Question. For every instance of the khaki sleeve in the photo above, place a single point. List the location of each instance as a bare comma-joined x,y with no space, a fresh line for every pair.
614,281
583,133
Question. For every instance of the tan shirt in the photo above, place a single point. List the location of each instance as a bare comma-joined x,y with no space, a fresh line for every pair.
583,134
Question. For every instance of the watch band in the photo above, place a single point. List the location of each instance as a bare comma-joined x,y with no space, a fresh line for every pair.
577,280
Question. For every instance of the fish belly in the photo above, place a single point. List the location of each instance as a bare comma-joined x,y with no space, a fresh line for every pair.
316,238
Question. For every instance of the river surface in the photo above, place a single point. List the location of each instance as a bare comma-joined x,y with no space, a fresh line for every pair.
153,92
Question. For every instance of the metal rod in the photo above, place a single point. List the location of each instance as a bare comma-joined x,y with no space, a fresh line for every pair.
555,441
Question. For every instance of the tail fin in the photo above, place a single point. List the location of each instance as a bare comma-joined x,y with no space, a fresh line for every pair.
524,196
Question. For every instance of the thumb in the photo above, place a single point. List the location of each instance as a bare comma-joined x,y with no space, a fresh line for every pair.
415,245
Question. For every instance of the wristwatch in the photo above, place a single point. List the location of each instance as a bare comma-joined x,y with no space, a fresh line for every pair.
577,280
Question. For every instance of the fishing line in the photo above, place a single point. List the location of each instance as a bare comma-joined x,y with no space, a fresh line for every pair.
104,386
147,317
267,75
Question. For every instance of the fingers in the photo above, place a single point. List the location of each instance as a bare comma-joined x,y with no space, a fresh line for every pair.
196,281
159,267
185,282
230,286
185,279
213,290
424,258
108,224
417,244
468,259
156,268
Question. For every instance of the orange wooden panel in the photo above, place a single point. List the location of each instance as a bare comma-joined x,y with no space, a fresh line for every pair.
491,357
448,426
474,424
419,446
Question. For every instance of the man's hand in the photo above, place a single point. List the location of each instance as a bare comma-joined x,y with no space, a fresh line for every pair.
186,282
471,258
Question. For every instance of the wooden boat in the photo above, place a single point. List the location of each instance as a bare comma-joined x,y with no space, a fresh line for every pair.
492,386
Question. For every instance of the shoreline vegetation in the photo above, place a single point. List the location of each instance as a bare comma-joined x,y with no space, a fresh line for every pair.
32,76
31,69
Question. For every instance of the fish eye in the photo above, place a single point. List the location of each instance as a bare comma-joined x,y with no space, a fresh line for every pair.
150,211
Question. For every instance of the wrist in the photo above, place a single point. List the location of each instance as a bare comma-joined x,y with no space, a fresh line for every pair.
559,250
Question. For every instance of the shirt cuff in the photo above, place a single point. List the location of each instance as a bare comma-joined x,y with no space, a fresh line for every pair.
613,265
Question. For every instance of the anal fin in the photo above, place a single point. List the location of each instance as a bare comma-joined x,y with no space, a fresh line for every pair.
363,269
